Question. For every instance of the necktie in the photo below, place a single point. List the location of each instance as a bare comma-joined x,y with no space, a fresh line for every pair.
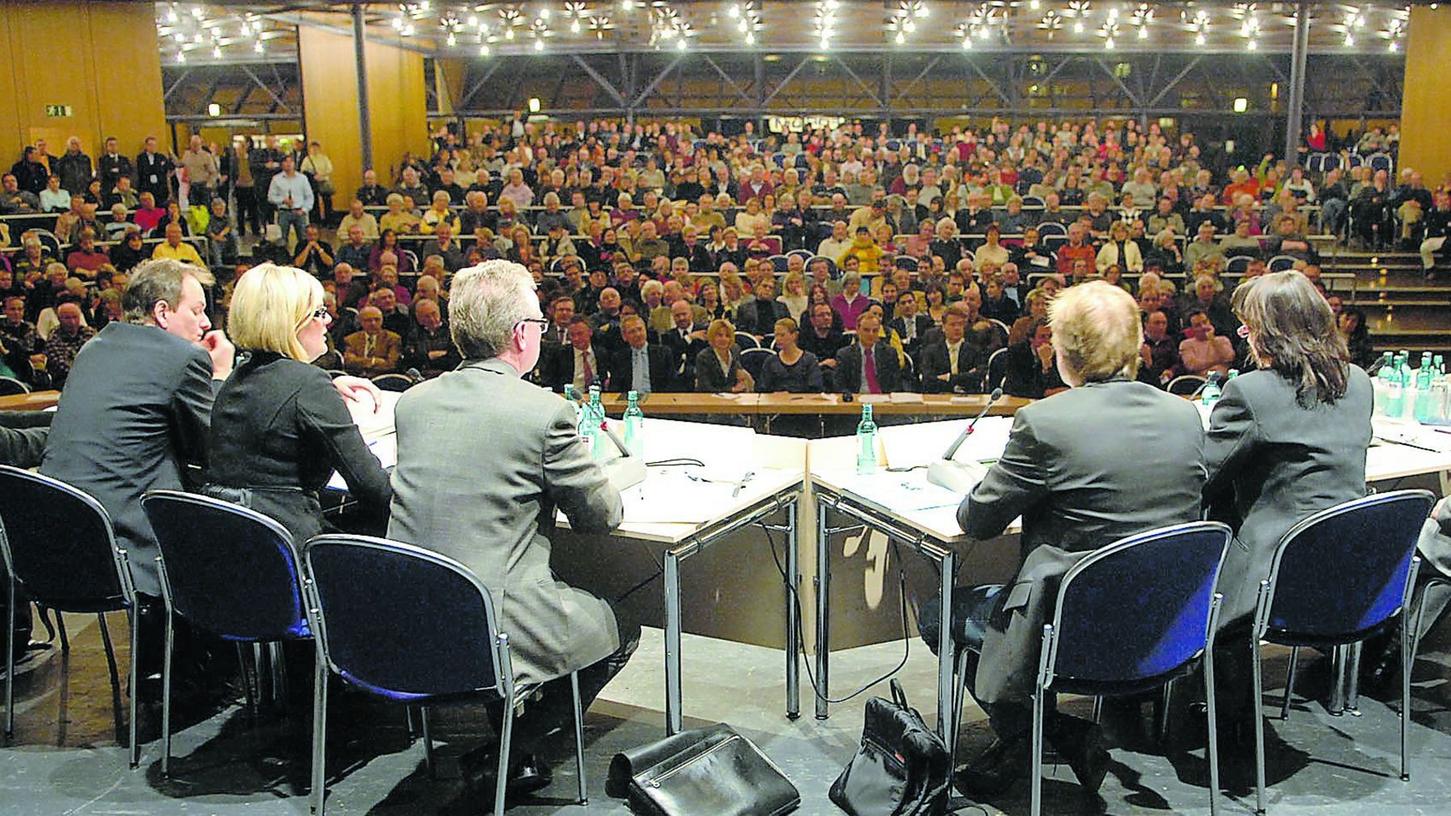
869,363
589,371
641,371
952,352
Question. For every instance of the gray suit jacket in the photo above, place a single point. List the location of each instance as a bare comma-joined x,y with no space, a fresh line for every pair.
484,458
1083,469
136,409
1272,463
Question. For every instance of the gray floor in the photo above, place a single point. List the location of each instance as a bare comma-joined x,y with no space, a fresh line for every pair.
65,758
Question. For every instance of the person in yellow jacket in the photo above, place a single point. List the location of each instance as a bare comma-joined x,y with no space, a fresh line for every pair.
865,250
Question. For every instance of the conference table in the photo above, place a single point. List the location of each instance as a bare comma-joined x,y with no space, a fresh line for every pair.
899,502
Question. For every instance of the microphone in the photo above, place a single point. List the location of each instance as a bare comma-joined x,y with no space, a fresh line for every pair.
960,477
626,471
414,374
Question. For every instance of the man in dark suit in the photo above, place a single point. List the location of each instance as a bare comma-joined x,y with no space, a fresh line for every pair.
821,337
908,323
639,365
758,316
1073,470
868,366
951,364
578,362
684,341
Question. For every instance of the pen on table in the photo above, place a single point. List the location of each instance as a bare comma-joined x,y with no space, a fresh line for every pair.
742,483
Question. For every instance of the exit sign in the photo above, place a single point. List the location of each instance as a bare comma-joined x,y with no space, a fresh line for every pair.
58,110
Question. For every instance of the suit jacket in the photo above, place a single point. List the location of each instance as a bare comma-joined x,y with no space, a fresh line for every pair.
1272,463
661,363
489,499
136,410
755,317
921,322
386,352
1074,471
971,366
559,371
709,379
683,352
279,430
849,368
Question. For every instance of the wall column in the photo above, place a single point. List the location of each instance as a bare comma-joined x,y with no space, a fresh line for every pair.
1425,116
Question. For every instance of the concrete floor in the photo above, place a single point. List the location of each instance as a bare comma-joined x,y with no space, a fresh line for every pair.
66,759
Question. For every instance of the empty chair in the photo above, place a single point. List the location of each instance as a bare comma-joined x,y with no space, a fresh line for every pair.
1116,633
1185,385
9,386
1052,228
906,262
1032,201
752,359
779,263
1280,263
997,368
1238,264
1380,161
1337,578
330,361
394,382
746,341
459,655
226,570
60,551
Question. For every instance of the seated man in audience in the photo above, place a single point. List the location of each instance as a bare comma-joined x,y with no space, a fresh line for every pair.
1160,351
556,334
15,201
640,365
24,347
528,464
951,364
356,252
822,338
908,322
685,339
1029,367
444,245
174,249
65,342
371,193
606,320
1040,479
578,364
395,315
1204,248
430,349
758,315
316,255
86,258
358,217
868,366
372,350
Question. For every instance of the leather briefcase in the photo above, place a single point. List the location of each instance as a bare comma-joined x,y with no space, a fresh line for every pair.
901,768
713,771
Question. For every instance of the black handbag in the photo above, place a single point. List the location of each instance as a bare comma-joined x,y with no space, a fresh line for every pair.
902,767
712,771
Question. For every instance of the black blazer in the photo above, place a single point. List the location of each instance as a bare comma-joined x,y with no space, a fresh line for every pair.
971,366
558,370
923,324
1023,376
136,409
849,368
708,376
755,317
279,430
662,369
1272,462
683,352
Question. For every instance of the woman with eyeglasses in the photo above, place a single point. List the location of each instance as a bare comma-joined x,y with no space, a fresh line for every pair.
280,426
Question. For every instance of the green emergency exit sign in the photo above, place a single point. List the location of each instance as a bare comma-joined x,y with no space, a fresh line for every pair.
58,110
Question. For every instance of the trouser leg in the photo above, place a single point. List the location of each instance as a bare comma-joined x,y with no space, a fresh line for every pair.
1429,248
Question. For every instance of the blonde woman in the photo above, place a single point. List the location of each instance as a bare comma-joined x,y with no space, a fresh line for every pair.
398,219
280,426
793,293
718,369
439,213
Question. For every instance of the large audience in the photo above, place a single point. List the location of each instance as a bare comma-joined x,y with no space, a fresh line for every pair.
664,256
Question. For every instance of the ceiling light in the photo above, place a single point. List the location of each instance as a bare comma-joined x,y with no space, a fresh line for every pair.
1393,47
171,16
901,38
213,109
1349,40
1108,44
217,51
734,11
538,44
1253,45
259,47
1241,104
452,40
967,43
473,21
508,33
181,56
750,38
1033,4
1077,26
484,50
1143,32
1199,38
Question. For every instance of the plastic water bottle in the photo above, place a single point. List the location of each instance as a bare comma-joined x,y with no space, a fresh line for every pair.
1439,366
1395,388
1233,372
599,445
1423,406
634,425
1211,392
1381,385
866,437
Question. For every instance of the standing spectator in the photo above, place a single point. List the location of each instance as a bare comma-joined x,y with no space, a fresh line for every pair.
74,168
202,171
29,172
266,162
249,211
291,194
113,166
221,239
319,170
153,171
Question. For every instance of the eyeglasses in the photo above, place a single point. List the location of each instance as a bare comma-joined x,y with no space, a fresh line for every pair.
539,321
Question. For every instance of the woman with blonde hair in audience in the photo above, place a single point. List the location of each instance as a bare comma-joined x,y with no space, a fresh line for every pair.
439,213
732,291
398,219
280,427
793,293
718,369
793,369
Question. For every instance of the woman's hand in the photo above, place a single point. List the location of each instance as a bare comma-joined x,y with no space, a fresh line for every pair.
359,390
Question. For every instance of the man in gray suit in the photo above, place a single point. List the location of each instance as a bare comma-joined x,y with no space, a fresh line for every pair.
1074,471
484,460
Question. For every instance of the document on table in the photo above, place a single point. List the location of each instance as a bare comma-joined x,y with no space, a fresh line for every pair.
384,447
374,423
690,495
901,492
1413,434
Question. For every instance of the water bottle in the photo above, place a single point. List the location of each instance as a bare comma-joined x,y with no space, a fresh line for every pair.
1210,393
1439,366
866,437
1422,410
1233,372
600,445
1395,389
1381,385
634,425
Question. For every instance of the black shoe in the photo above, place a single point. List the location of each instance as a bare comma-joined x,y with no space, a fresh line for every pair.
479,769
995,769
1081,743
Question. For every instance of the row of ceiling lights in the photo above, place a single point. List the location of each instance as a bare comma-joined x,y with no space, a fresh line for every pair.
491,23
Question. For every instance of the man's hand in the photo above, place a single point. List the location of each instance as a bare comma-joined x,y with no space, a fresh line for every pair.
37,362
359,390
828,363
945,376
222,352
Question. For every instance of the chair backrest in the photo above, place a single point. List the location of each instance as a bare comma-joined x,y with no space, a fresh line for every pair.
1344,570
401,621
1048,228
1280,263
1032,201
805,254
58,543
1315,162
393,382
227,570
1380,161
330,360
1185,384
1237,264
779,263
1140,607
997,368
1330,162
747,341
9,386
753,359
906,262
